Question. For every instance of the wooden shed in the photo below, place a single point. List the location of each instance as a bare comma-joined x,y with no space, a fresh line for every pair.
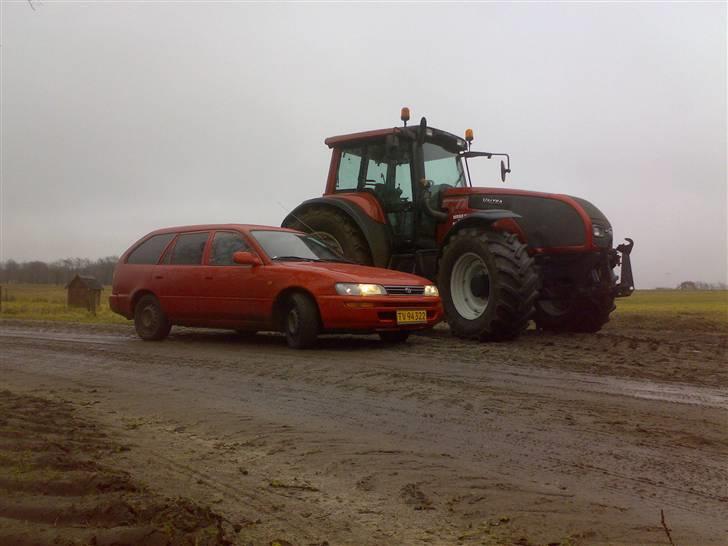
84,291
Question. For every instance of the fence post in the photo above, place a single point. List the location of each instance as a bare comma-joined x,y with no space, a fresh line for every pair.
1,298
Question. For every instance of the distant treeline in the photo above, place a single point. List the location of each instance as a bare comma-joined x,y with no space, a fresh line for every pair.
59,272
698,285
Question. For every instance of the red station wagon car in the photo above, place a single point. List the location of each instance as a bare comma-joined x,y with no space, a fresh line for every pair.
252,278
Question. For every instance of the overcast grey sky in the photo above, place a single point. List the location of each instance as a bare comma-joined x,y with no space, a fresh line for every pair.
119,118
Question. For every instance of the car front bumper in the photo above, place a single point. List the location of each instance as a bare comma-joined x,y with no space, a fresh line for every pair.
375,313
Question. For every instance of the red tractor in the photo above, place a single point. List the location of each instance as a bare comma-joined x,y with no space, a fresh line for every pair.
402,198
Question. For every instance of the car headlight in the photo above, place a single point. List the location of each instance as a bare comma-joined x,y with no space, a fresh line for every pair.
600,231
431,290
351,289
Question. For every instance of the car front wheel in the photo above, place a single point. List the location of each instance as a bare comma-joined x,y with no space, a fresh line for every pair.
301,322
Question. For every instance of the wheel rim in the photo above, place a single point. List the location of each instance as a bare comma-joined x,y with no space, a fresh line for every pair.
470,286
293,321
147,317
329,240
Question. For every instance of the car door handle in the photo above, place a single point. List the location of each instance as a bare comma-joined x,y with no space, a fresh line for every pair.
158,276
208,278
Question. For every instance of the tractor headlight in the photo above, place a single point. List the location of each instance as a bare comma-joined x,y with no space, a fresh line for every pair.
431,290
601,231
351,289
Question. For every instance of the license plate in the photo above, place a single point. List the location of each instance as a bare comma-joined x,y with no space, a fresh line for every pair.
411,316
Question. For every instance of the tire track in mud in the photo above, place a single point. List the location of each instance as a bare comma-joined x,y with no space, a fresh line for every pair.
52,493
467,378
553,421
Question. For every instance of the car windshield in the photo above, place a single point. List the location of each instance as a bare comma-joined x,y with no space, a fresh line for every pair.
442,166
288,246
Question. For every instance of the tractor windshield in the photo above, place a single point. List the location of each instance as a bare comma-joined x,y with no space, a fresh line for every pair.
443,166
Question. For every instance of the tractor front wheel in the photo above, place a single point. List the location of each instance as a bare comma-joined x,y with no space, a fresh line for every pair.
488,284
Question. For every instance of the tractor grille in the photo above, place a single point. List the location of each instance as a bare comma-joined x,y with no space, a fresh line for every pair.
405,290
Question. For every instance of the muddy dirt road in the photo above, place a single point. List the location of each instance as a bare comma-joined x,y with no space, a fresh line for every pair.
552,439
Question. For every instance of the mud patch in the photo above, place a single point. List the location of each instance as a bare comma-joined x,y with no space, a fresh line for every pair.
53,490
413,495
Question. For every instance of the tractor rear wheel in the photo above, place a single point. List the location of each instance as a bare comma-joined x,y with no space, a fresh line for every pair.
584,315
488,284
337,230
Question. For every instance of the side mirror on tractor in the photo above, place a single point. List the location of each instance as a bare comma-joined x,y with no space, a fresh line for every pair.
504,171
246,258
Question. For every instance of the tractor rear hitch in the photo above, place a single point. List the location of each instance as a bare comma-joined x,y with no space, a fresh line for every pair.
626,281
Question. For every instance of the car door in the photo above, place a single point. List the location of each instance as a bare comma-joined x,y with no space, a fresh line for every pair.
229,288
182,275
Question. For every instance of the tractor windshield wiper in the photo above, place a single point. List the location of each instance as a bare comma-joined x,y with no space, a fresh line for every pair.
295,259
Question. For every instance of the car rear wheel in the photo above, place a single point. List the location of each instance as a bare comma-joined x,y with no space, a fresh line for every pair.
150,322
301,322
394,337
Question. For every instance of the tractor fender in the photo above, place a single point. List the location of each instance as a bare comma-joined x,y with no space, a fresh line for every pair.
376,234
482,218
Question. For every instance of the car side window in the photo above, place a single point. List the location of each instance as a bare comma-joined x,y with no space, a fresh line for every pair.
224,245
148,252
189,248
347,177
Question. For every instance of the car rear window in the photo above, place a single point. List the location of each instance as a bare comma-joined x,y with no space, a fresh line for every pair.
148,252
189,248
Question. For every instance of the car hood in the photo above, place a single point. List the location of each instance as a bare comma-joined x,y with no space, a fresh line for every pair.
341,272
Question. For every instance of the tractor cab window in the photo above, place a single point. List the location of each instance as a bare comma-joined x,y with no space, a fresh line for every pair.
347,178
443,166
371,168
403,181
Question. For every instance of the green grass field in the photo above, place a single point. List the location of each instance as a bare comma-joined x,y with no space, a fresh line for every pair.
674,309
646,309
48,302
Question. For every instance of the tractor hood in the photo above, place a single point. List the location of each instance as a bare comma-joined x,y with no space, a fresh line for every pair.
549,220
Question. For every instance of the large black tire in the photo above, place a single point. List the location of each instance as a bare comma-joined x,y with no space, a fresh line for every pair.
397,336
488,284
301,322
335,229
585,315
150,322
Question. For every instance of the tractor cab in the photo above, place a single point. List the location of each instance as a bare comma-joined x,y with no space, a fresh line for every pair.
404,172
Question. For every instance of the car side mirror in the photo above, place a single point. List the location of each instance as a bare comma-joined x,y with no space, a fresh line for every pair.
246,258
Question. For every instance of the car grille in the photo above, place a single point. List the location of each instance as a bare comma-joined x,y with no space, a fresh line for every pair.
405,290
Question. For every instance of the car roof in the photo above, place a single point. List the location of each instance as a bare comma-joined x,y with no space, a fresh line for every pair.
210,227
